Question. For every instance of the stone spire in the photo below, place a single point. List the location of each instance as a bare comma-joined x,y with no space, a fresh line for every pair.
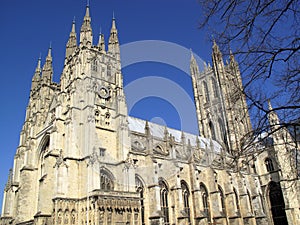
86,34
234,66
47,71
193,65
37,75
101,42
272,117
216,54
72,42
113,43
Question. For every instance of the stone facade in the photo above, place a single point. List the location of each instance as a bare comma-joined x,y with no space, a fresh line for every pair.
83,160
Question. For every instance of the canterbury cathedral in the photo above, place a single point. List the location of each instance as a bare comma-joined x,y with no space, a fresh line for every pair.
83,160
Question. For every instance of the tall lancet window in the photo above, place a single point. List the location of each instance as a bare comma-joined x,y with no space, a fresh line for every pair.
185,197
215,88
205,201
164,201
206,93
44,149
212,130
140,189
95,65
269,164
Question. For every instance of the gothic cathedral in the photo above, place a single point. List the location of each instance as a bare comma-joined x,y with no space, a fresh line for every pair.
83,160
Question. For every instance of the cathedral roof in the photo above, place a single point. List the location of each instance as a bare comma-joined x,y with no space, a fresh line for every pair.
156,130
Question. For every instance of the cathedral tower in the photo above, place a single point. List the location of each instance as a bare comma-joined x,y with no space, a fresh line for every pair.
220,102
76,130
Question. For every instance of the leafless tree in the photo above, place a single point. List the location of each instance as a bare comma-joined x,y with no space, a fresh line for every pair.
264,36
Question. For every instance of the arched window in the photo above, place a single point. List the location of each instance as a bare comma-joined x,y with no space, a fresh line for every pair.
164,201
222,198
214,86
205,201
140,189
95,65
44,149
236,200
206,93
185,197
212,130
269,164
277,204
106,180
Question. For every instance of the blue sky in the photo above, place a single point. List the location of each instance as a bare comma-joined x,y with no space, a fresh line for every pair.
28,28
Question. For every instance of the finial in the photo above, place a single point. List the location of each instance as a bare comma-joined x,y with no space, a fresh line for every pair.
100,30
214,41
49,51
192,54
270,105
88,3
39,61
113,15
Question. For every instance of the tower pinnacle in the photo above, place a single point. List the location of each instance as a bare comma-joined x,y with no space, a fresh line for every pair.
37,75
113,43
86,35
101,42
47,68
72,42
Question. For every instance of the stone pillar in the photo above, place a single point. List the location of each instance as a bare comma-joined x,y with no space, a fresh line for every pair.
27,194
155,215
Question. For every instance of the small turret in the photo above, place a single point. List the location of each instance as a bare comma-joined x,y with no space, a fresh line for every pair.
72,42
113,43
86,34
47,72
37,76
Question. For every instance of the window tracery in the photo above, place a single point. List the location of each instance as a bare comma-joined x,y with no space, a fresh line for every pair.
106,182
269,165
205,201
185,196
164,201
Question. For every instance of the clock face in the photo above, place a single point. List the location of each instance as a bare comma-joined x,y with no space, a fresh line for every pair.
103,92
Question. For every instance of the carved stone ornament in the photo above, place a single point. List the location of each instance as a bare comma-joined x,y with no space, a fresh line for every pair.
159,150
93,158
60,160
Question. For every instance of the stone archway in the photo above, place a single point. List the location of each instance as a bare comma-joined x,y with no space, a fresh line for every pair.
277,204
